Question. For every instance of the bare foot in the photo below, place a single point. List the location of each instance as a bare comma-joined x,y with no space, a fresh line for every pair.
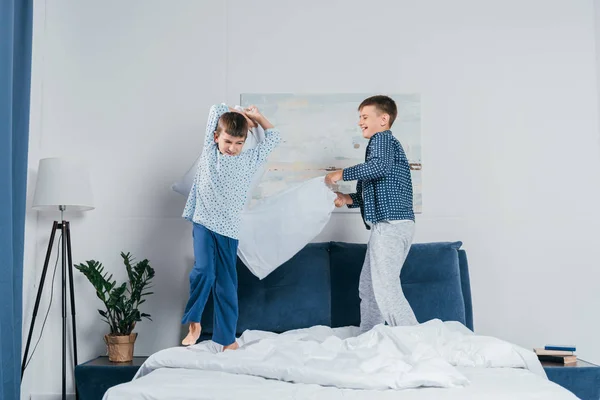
232,346
193,335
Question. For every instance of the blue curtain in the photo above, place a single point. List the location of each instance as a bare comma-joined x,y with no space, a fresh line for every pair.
15,77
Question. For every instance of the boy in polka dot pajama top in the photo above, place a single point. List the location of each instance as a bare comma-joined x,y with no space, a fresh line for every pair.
214,204
384,195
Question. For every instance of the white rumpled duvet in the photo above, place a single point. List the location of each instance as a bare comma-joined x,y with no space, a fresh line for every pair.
424,355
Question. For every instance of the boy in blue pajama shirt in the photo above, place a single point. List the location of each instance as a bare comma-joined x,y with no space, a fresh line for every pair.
385,197
214,204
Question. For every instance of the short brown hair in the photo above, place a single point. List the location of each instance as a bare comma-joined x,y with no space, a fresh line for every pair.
234,124
383,104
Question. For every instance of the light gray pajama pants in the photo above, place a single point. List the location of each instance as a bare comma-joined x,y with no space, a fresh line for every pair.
382,298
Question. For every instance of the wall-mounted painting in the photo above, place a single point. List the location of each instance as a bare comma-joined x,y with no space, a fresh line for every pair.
320,133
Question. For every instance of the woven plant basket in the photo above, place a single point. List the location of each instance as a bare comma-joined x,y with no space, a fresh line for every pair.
120,348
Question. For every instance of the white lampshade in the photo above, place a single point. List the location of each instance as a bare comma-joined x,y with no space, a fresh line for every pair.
62,182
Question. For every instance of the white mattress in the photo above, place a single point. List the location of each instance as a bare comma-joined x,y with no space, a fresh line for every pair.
183,384
432,360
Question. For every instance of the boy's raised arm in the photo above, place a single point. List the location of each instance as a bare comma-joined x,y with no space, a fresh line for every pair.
213,120
272,135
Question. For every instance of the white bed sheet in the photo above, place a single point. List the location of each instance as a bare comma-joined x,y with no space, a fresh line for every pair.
441,359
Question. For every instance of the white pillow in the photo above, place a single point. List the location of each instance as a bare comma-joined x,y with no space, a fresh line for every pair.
184,185
279,226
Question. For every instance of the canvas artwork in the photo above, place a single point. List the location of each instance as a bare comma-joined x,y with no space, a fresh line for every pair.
320,133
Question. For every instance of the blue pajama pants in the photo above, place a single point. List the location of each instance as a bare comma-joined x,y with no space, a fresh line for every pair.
214,270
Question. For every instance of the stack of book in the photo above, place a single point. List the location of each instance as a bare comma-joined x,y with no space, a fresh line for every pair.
564,355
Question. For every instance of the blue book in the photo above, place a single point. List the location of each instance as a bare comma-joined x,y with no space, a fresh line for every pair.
560,347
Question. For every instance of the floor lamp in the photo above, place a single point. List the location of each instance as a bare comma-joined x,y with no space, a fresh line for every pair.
62,185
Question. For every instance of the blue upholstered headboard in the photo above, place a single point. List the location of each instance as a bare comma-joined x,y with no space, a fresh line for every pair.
319,286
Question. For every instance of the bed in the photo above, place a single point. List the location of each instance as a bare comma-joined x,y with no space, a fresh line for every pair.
299,340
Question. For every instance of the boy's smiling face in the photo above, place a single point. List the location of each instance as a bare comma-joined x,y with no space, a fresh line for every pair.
372,121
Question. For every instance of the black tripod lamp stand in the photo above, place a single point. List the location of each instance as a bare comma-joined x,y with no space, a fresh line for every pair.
62,185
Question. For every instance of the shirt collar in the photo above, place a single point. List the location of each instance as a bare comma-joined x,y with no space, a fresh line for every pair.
386,132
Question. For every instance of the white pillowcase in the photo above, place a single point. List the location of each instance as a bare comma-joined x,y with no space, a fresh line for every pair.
279,226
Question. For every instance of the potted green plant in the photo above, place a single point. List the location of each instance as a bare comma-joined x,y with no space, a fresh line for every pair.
121,303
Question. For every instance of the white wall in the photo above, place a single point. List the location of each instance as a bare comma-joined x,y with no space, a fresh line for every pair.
510,140
597,31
